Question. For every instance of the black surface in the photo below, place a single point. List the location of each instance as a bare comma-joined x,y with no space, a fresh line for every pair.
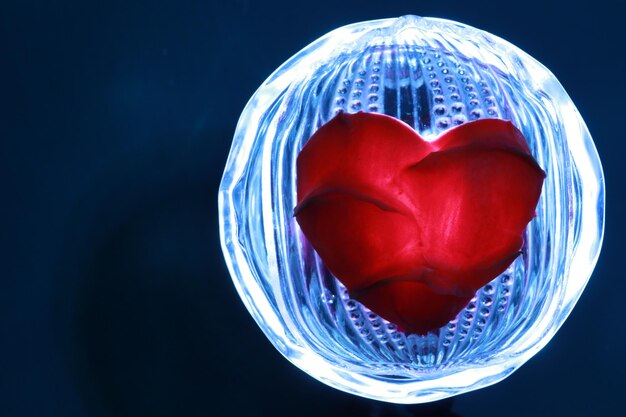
116,121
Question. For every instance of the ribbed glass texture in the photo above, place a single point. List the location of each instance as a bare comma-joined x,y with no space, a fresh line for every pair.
433,74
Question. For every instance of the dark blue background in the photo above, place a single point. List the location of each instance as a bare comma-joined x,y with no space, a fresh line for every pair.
116,121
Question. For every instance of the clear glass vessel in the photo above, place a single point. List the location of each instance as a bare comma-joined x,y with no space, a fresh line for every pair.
433,74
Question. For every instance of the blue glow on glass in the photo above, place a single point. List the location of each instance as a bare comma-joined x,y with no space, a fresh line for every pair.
433,74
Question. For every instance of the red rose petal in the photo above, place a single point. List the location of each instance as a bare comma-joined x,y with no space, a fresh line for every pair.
358,152
413,306
473,205
413,228
492,133
359,238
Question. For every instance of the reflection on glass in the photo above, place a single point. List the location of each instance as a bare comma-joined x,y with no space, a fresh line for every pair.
433,74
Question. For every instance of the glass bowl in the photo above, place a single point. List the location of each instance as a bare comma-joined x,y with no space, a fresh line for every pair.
433,74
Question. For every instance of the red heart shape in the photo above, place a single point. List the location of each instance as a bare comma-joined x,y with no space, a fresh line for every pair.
414,228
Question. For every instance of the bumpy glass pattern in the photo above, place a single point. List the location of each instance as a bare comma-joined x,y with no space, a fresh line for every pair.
433,74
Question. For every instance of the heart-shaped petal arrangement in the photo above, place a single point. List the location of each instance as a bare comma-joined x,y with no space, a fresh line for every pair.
414,228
